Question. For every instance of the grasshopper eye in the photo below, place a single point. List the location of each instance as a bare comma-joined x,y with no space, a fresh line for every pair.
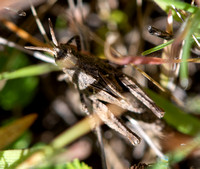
67,49
59,53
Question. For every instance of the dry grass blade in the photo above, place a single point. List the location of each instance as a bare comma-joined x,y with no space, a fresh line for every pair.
167,75
15,129
22,33
38,22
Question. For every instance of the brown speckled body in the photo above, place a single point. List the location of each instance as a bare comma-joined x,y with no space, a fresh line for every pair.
99,84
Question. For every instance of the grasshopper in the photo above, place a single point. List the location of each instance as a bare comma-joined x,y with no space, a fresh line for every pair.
100,83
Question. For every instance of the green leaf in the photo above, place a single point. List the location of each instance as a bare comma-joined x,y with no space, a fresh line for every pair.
22,142
9,158
76,164
12,91
12,59
175,117
61,22
11,95
118,16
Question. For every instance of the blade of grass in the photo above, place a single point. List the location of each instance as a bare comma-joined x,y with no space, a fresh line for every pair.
186,48
11,132
175,117
22,33
32,70
165,4
72,134
159,47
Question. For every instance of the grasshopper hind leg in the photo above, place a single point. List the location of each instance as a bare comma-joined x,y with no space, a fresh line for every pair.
110,120
136,91
87,109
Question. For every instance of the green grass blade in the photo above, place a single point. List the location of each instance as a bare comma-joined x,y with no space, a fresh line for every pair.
175,117
159,47
32,70
165,4
72,134
194,22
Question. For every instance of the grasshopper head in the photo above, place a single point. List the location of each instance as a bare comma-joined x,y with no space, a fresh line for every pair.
65,56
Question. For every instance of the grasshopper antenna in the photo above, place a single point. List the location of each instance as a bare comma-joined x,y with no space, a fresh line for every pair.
37,55
44,49
55,42
39,24
43,32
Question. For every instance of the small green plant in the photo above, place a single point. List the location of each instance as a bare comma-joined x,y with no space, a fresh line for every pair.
76,164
